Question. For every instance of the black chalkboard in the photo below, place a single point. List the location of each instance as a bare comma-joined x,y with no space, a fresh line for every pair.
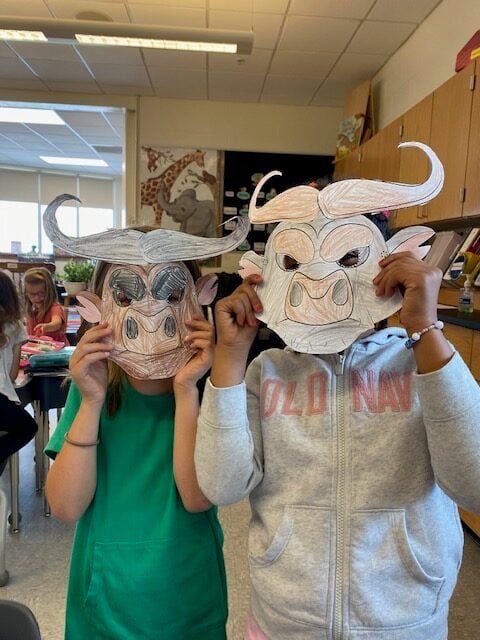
242,171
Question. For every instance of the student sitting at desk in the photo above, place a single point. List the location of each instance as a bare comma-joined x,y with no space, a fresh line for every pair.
45,316
17,427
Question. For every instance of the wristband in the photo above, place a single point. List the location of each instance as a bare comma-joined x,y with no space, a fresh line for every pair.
80,444
416,335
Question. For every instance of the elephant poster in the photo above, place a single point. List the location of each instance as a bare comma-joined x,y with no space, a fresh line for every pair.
180,189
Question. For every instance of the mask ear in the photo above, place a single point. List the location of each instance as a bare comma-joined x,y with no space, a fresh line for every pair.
90,311
206,288
409,240
250,263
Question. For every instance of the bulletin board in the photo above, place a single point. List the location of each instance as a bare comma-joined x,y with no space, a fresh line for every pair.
243,170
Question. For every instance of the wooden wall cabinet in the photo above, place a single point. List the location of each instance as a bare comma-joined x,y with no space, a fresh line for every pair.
414,166
471,206
449,135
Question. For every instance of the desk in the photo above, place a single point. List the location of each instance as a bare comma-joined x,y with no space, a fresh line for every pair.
45,391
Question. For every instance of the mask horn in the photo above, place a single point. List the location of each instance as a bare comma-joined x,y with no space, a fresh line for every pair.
357,197
128,246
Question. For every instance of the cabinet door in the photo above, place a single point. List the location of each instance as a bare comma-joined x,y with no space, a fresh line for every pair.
452,105
414,166
462,339
472,520
471,206
389,153
370,159
475,360
348,167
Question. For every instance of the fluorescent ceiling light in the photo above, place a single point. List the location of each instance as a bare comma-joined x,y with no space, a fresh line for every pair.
100,33
85,162
30,116
22,36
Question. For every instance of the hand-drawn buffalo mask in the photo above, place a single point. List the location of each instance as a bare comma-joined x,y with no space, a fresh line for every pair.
320,261
148,292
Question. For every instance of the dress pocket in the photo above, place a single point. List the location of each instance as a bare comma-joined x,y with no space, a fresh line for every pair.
293,574
389,587
143,589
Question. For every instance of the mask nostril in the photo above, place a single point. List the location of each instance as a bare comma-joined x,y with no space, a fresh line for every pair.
170,327
296,295
340,293
131,329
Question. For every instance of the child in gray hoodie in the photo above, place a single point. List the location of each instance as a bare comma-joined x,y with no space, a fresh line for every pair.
354,448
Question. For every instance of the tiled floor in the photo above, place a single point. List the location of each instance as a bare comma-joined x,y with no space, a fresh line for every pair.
37,559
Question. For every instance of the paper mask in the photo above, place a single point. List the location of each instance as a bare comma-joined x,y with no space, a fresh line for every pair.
148,293
320,261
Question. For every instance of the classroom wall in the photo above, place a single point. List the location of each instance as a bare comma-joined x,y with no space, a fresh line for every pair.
426,60
238,126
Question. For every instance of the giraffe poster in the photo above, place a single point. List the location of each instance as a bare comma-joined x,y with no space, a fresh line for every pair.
180,189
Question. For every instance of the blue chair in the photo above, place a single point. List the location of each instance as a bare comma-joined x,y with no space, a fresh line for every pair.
17,622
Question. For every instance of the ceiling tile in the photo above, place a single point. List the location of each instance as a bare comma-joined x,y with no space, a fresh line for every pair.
74,87
38,51
257,62
50,70
193,4
289,89
6,51
303,63
69,10
179,83
24,8
332,92
15,69
404,11
168,16
331,8
124,89
266,27
355,67
317,34
175,59
110,55
239,87
265,6
120,74
380,37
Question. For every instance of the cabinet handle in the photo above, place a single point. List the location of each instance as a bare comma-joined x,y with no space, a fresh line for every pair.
400,131
471,84
461,194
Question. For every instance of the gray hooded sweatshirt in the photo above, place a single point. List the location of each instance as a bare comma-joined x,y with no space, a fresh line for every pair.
354,465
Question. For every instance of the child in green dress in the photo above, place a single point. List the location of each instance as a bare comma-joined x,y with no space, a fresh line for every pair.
147,557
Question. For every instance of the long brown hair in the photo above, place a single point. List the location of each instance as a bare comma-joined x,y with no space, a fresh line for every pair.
116,376
10,308
40,275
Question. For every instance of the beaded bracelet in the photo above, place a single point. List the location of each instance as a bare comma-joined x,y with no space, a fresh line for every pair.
415,337
80,444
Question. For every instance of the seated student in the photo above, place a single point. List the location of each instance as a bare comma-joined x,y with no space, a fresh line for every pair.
17,427
45,316
354,445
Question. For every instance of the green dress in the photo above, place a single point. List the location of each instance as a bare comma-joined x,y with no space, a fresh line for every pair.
142,567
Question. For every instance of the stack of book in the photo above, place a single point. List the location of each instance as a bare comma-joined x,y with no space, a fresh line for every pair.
466,259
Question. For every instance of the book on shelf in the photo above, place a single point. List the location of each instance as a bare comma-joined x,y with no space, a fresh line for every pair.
444,248
465,260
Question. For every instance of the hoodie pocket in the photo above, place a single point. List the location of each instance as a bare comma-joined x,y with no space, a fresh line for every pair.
389,586
140,588
293,575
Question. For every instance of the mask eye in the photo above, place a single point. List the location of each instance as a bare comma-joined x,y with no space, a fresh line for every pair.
354,258
170,285
287,262
126,287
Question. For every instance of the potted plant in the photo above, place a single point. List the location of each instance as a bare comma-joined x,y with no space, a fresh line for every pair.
76,276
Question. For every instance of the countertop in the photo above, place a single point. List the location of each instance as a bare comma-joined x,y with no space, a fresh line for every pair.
467,320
